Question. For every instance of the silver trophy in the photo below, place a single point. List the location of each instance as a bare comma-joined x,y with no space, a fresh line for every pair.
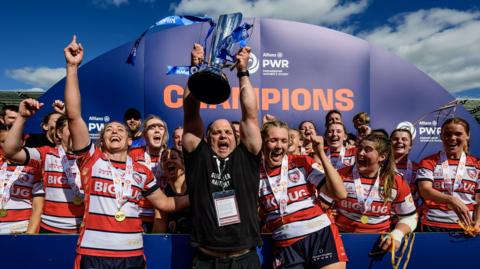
209,84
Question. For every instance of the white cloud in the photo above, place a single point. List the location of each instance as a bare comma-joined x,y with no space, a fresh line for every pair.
443,43
117,3
42,77
325,12
25,90
106,3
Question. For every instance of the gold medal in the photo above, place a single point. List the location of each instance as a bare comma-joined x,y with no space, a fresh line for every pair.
119,216
364,219
449,206
77,200
3,213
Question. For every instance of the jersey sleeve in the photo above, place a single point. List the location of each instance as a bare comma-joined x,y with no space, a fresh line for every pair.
403,205
150,184
316,174
425,170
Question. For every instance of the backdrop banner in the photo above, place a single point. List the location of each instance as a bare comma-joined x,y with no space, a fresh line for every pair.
300,71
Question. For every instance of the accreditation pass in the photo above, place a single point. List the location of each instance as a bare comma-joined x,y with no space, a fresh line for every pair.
226,207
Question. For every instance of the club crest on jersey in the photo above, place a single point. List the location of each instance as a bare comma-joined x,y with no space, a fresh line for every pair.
23,178
472,173
294,176
137,177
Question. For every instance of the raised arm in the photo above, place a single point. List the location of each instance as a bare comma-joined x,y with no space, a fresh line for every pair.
193,127
334,183
73,103
12,147
249,127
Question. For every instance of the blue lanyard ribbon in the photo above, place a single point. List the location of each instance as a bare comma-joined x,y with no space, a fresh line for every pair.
170,21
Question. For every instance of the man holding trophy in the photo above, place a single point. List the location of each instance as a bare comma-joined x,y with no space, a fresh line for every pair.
223,178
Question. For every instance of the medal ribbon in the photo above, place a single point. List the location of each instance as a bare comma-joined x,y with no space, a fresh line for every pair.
154,166
365,203
279,186
446,171
339,163
122,184
72,172
6,183
408,175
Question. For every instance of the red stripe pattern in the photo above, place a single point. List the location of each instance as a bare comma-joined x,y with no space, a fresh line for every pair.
438,214
303,214
350,212
19,206
59,215
101,234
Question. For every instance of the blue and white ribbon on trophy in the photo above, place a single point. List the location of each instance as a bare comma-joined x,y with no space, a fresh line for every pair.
170,21
239,35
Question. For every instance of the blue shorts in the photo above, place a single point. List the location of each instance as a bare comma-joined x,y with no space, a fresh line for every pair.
97,262
316,250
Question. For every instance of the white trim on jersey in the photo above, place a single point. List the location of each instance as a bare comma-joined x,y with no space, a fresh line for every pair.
301,227
13,227
65,223
111,241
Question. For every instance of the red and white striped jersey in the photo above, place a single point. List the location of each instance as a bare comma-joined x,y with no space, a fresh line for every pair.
303,214
19,207
430,169
402,169
147,212
350,211
348,159
59,215
101,234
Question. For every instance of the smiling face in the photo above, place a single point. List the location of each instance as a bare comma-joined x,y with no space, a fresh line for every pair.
115,138
154,133
294,141
336,136
401,143
368,159
333,118
307,129
275,145
221,138
455,139
172,164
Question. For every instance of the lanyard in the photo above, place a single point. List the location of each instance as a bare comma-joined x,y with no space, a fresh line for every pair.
446,173
365,203
6,183
279,186
154,167
122,184
221,164
72,172
339,163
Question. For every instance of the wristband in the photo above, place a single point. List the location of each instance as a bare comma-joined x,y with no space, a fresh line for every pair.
243,74
397,235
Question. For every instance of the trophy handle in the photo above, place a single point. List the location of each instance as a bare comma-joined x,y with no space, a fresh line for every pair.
225,26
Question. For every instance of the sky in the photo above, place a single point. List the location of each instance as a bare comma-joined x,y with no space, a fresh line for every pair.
440,37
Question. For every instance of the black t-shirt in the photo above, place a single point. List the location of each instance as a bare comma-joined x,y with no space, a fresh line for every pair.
38,140
241,174
179,221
